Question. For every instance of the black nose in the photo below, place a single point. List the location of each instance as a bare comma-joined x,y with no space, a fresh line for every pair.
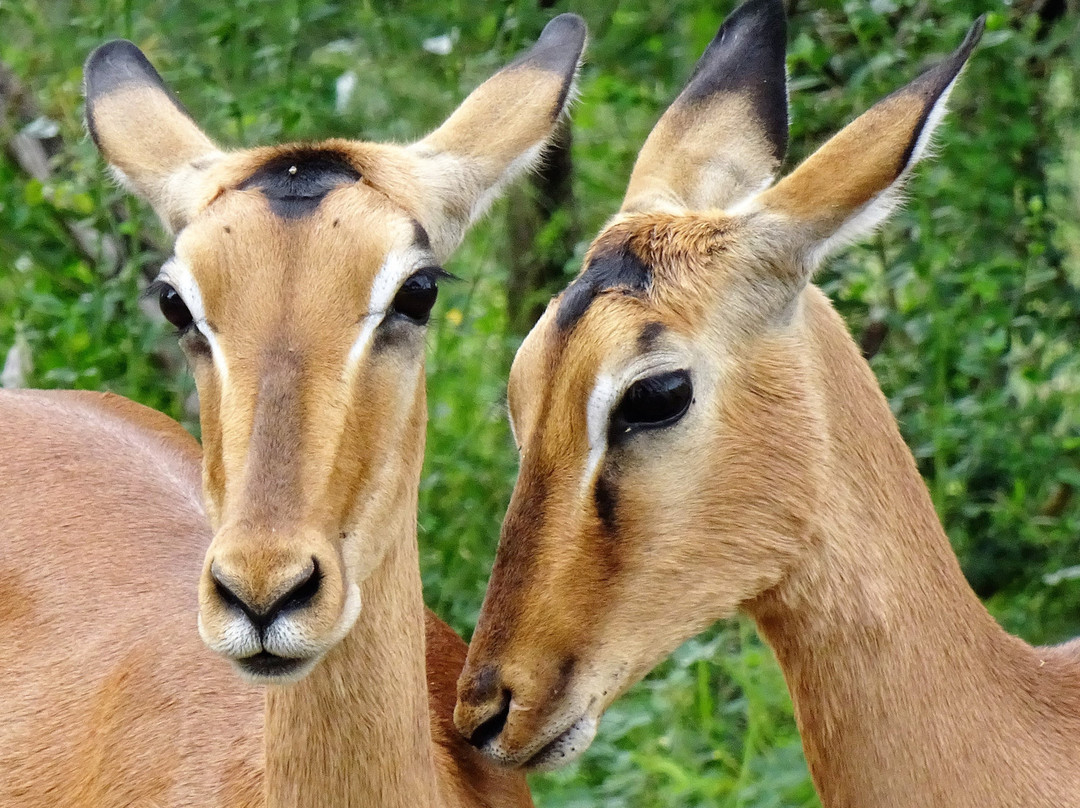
298,593
491,727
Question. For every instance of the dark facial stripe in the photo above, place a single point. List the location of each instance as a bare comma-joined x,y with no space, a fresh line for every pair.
274,447
616,268
606,499
297,182
605,547
421,237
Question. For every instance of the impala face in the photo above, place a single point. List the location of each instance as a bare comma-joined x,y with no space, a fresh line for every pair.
648,455
306,338
665,408
301,283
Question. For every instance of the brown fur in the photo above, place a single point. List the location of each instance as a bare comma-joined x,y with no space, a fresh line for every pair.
110,698
785,491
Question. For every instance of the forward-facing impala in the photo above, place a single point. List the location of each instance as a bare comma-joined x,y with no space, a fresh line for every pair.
301,283
699,435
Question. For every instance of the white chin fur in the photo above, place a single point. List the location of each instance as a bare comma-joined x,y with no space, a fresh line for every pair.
567,748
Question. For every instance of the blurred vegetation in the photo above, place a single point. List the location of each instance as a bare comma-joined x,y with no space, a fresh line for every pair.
972,293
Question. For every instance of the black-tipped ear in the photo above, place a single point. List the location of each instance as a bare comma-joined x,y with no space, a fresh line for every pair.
726,134
851,184
558,51
142,130
115,65
747,58
497,132
933,85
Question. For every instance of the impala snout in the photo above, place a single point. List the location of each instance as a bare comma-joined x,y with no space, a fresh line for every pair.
271,606
540,720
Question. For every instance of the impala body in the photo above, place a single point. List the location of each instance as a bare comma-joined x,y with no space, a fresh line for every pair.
699,435
301,283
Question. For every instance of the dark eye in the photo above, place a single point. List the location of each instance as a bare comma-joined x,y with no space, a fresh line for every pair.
416,296
655,401
174,308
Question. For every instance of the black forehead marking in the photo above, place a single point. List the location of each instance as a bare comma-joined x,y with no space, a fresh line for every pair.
296,183
614,268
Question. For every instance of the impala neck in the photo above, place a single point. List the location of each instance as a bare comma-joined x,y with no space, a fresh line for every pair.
906,691
356,731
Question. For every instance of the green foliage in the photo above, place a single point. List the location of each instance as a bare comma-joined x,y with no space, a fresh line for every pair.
976,284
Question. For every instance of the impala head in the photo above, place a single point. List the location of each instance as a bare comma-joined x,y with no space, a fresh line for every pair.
301,283
665,405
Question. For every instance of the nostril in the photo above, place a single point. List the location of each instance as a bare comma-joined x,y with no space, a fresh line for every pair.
298,594
227,595
302,594
490,729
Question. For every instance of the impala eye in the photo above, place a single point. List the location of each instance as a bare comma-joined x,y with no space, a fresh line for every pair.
174,308
417,295
654,402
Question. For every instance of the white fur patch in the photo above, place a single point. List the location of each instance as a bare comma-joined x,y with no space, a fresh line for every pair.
933,120
749,203
604,396
524,162
285,636
567,747
452,179
872,214
238,639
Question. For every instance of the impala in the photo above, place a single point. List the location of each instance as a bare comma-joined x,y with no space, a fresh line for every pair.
301,282
699,435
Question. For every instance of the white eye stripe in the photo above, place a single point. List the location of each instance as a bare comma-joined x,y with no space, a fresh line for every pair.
513,429
606,394
180,277
397,267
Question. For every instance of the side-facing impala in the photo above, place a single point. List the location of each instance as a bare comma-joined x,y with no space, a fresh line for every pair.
302,279
699,434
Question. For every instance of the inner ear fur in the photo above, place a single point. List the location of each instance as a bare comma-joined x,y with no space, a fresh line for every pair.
726,134
497,132
143,132
851,184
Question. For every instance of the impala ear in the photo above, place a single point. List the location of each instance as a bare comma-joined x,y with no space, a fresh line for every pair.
497,132
852,183
726,134
147,137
